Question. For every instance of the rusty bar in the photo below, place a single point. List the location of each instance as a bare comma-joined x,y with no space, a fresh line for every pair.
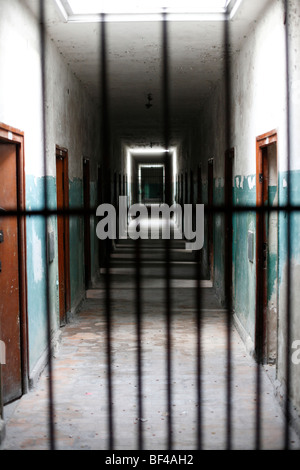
259,328
228,249
105,134
289,240
216,209
138,286
44,93
166,124
198,355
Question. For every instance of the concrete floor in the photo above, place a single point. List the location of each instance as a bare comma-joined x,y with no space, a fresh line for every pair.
80,373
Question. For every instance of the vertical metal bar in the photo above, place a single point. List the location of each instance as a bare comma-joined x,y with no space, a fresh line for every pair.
198,352
289,240
139,344
199,328
259,309
166,116
228,250
105,134
44,96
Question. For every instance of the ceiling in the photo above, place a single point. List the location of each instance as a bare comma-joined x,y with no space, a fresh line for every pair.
196,54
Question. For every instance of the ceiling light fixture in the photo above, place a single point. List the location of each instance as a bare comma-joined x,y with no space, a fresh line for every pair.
154,6
146,10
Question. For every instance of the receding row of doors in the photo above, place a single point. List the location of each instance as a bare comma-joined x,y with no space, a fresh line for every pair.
13,275
265,335
13,279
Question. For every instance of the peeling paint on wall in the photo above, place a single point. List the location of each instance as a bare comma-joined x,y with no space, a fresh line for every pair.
38,269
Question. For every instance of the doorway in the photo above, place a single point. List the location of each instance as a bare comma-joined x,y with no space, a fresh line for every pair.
266,248
62,190
13,282
87,217
210,222
151,184
229,170
199,185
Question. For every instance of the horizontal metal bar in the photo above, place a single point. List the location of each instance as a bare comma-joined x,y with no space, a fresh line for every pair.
213,209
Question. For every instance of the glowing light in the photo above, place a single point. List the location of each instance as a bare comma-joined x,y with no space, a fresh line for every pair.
92,7
143,151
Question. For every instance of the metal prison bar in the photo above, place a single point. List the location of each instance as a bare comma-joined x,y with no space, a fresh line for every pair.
228,259
227,210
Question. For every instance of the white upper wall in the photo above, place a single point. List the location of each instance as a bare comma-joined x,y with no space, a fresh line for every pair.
71,115
20,79
259,88
259,94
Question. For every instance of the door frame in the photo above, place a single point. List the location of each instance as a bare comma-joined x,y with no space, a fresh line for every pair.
229,174
11,135
62,153
210,222
87,221
260,335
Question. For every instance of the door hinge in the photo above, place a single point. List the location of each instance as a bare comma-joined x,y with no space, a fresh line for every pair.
261,177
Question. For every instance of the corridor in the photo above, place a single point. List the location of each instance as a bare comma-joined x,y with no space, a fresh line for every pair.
80,370
107,111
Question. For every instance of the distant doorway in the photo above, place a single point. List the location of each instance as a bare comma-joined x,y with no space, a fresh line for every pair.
151,184
229,162
62,192
87,224
210,221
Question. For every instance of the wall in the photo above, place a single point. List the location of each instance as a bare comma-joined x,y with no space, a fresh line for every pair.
259,105
72,123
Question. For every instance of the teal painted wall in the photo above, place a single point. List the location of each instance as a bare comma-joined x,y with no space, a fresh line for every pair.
37,265
295,217
76,242
37,262
244,194
244,271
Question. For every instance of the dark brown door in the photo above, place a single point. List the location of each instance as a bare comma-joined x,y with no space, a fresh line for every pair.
63,233
9,275
229,160
186,189
87,217
199,185
191,187
210,188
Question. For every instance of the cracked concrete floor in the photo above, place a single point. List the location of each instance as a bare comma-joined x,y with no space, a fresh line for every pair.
80,390
80,372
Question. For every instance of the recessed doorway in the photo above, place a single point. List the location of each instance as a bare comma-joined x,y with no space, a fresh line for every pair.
266,248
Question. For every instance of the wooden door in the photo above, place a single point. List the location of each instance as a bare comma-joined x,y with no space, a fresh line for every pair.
229,161
191,187
10,316
62,190
87,218
186,189
199,185
210,189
